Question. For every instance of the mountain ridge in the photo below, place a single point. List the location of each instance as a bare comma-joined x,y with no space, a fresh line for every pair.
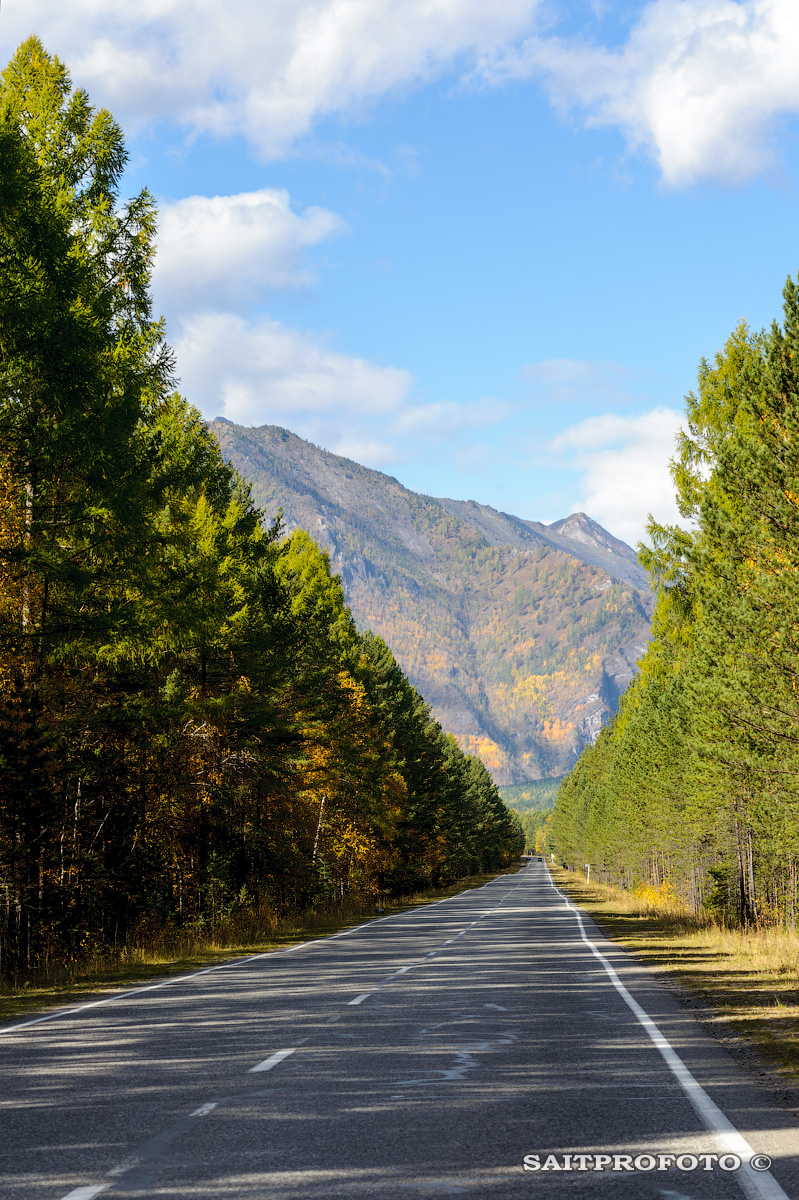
522,636
591,543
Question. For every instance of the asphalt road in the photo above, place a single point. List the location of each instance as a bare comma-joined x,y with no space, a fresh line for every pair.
424,1054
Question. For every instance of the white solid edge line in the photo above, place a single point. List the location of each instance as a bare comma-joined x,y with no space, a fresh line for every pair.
236,962
270,1062
758,1185
360,999
86,1193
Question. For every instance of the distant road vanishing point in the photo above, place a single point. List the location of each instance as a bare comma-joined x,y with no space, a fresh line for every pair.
493,1045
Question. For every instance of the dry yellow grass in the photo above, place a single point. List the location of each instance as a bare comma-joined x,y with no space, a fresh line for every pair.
744,984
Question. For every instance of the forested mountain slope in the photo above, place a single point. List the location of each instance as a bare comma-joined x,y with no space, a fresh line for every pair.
521,636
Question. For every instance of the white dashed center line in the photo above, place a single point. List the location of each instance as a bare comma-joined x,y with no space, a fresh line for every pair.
270,1062
203,1110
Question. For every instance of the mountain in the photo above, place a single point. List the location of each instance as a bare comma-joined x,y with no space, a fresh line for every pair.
578,535
522,636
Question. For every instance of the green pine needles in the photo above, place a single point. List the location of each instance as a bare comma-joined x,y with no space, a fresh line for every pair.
694,787
193,733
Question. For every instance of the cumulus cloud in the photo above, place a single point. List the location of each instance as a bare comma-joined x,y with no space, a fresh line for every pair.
225,251
260,372
699,84
262,69
216,256
624,463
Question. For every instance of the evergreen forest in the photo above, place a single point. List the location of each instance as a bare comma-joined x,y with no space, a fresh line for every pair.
191,725
693,788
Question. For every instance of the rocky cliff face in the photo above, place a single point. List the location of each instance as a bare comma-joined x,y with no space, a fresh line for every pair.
522,636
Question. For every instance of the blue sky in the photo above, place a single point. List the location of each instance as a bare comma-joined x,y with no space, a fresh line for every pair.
479,247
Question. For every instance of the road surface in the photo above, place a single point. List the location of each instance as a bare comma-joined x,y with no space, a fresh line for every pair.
491,1045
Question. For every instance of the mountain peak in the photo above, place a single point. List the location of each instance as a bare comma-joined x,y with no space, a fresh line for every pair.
520,635
579,527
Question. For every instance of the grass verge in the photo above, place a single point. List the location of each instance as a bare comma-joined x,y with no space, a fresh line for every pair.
743,985
184,952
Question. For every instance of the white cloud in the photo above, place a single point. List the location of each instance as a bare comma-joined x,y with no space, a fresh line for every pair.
224,251
699,84
370,452
569,380
217,255
624,463
477,458
443,418
262,69
259,372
